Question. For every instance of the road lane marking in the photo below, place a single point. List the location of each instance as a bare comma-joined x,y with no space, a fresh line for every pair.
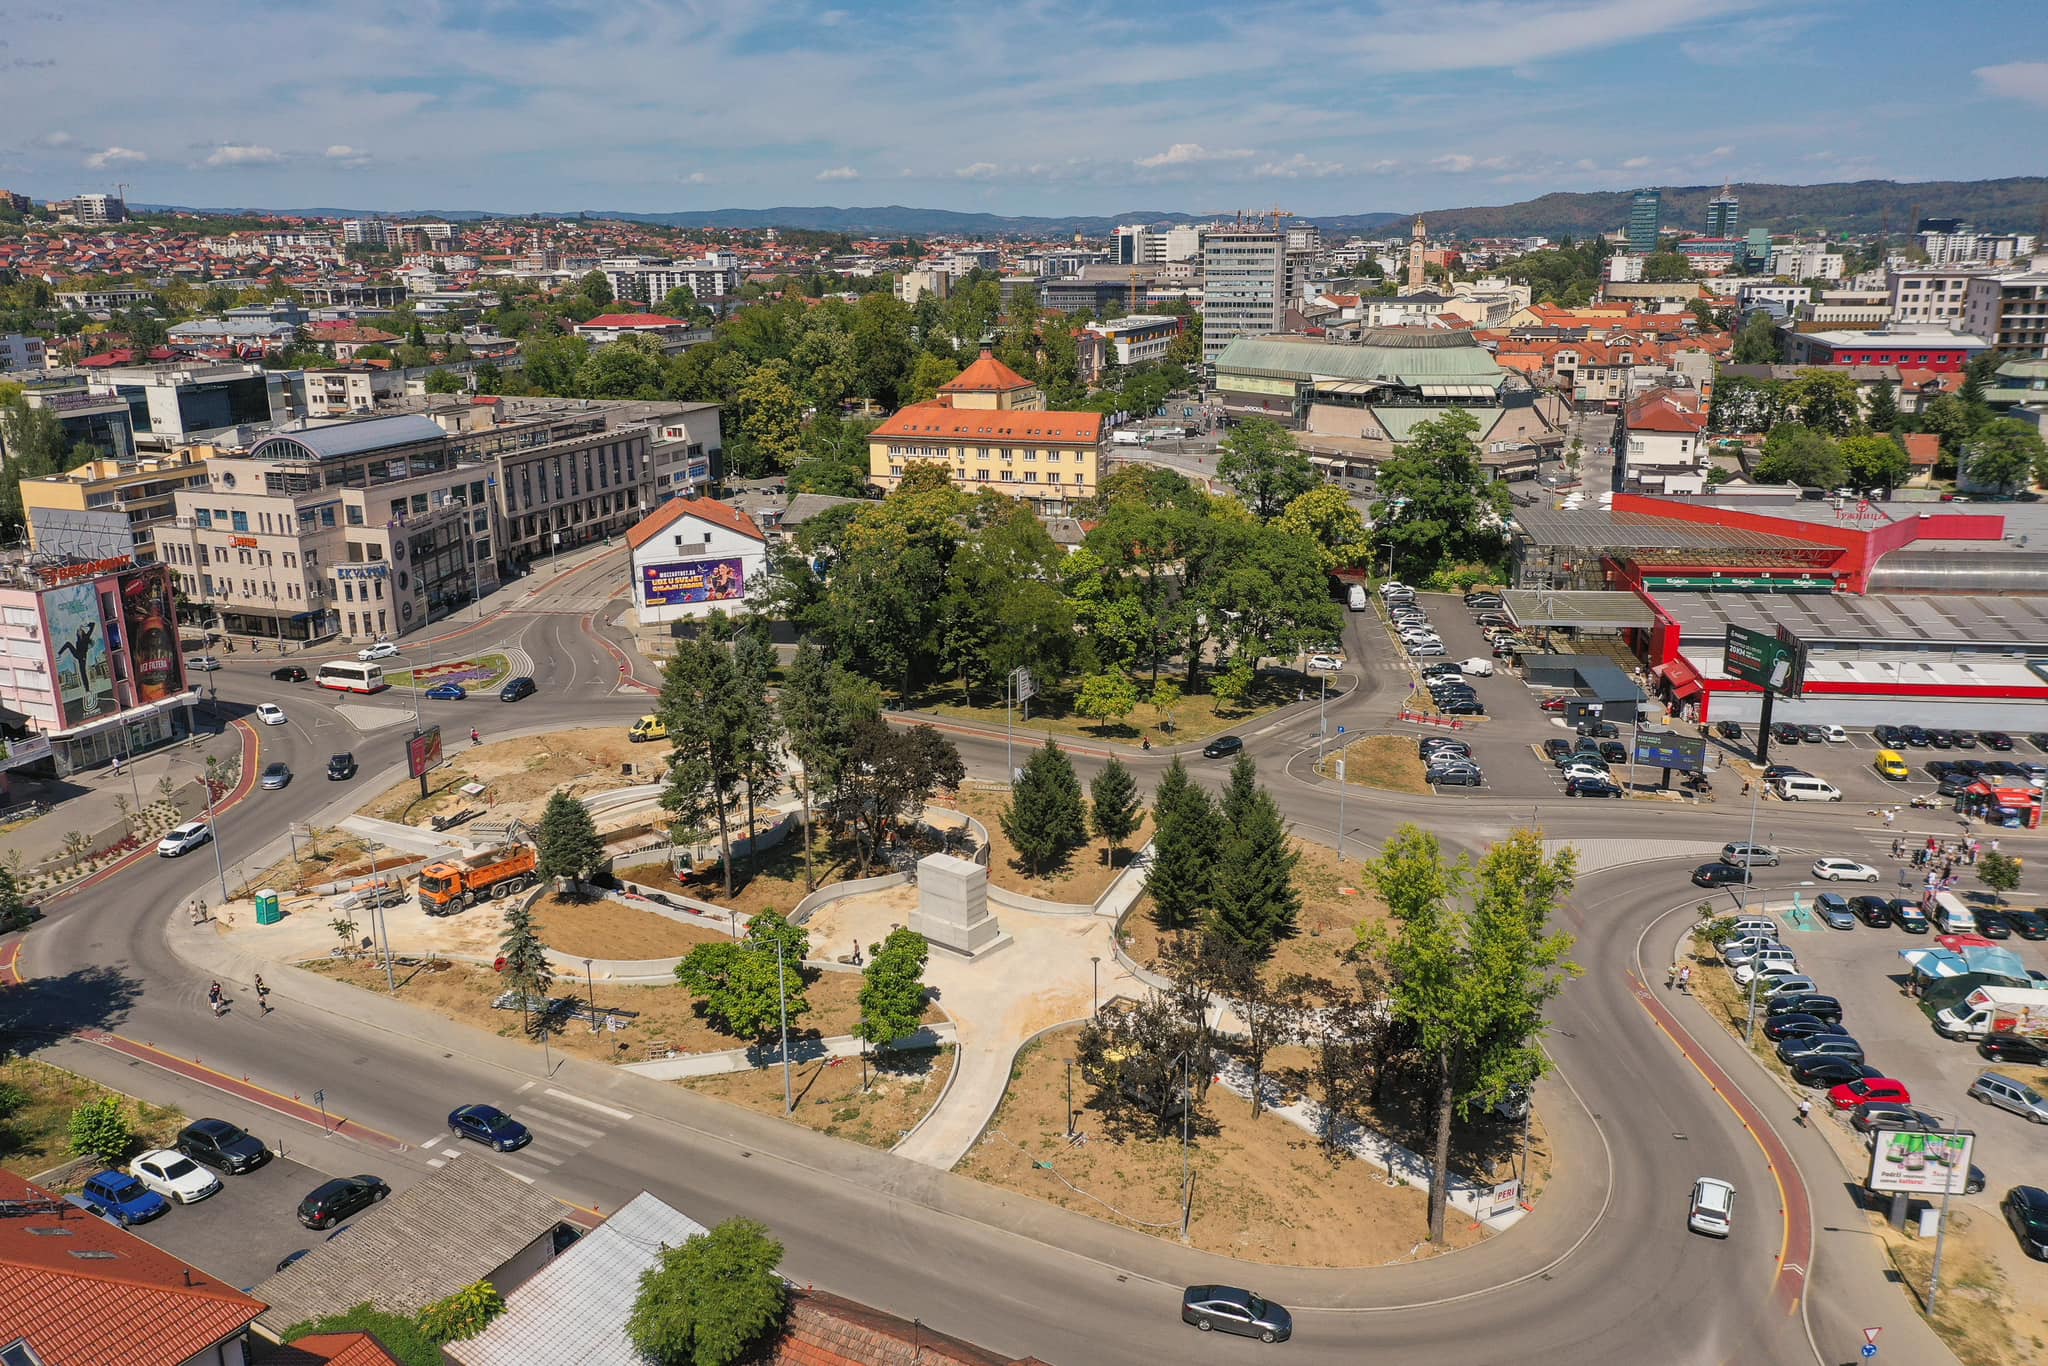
587,1104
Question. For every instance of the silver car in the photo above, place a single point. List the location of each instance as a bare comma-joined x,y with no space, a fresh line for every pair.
1995,1088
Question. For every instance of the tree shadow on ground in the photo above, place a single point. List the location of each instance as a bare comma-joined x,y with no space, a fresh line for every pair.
41,1010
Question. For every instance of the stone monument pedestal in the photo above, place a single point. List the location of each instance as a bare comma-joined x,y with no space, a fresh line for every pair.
952,907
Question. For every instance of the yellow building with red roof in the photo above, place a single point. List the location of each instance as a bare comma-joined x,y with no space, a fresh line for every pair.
990,428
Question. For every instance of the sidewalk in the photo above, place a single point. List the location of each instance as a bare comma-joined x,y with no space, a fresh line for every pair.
90,800
770,1055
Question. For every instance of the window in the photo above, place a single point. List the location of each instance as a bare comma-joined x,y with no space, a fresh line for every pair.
240,521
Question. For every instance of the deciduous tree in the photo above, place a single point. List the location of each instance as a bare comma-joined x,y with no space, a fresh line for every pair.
1260,461
1325,518
821,707
1107,697
889,774
1874,462
2003,455
892,991
707,722
1796,454
1437,506
712,1300
100,1129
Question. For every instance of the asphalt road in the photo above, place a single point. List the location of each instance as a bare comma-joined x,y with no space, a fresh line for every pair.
1604,1270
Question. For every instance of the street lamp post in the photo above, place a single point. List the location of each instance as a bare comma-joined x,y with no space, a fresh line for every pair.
1070,1097
1095,962
590,983
782,1002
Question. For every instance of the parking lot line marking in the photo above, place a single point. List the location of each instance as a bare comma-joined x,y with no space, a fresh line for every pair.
517,1176
528,1087
430,1142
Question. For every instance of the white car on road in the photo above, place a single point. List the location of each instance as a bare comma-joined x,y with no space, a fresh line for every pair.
1482,668
183,839
270,714
1325,663
383,649
1843,870
173,1175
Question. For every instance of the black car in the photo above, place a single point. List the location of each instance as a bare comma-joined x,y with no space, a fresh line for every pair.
1773,772
1873,911
290,673
519,687
1914,736
2026,924
1941,738
1603,730
1814,1003
1222,747
1995,739
1458,775
1439,744
341,767
1612,752
2026,1209
1728,730
490,1126
220,1144
1719,875
1813,735
1785,733
1839,1045
1823,1073
1797,1025
1464,706
2014,1049
1556,750
2039,740
1953,784
1591,787
1965,739
1888,737
1992,925
1228,1309
1908,916
333,1201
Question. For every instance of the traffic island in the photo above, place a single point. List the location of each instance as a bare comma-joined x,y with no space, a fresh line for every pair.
1392,763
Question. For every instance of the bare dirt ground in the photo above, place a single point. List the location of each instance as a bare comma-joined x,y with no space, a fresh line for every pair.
774,882
325,857
1082,877
1263,1188
1987,1316
829,1097
1390,762
606,929
519,774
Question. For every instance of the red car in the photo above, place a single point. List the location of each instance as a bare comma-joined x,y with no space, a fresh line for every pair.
1851,1094
1553,704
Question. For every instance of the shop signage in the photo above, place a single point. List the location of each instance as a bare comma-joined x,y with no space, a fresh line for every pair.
1775,662
362,571
1800,583
91,569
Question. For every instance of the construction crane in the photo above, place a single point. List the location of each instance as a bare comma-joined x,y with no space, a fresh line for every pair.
1277,214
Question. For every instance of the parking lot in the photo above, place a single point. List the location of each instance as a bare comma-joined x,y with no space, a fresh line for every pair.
1850,764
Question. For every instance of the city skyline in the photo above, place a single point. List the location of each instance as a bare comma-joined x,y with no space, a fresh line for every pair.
1049,108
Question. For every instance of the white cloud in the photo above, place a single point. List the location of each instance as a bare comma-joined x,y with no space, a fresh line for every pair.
1299,167
839,173
1721,152
1635,163
1460,163
980,170
696,178
114,156
2016,81
1191,154
57,137
242,154
341,151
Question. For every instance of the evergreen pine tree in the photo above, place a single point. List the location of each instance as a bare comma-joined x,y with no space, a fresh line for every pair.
569,846
1238,797
1113,806
1255,902
1045,817
1883,413
526,959
1184,845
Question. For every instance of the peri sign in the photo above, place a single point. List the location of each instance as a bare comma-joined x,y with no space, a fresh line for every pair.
1775,662
1687,754
1920,1163
675,583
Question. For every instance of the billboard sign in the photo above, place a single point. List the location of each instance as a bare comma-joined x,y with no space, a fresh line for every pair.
1919,1163
151,619
1776,662
1662,749
78,638
423,752
687,581
15,753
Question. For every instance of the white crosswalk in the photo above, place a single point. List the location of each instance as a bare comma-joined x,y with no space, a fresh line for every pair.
563,1125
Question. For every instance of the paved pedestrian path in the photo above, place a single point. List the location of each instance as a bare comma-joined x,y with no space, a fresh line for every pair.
770,1054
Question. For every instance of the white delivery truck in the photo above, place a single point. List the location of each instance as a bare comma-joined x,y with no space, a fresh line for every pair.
1355,599
2019,1011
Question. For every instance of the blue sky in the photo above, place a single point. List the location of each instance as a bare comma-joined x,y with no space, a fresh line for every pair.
1039,106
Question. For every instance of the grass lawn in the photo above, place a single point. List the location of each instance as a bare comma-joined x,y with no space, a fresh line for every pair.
1193,719
1081,878
1263,1190
484,672
1390,762
829,1097
605,929
35,1136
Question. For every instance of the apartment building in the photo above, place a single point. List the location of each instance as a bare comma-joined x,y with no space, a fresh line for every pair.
18,352
1138,338
1949,241
1244,285
1807,261
1645,221
99,208
2010,310
1930,296
109,299
648,279
176,405
369,232
110,506
913,284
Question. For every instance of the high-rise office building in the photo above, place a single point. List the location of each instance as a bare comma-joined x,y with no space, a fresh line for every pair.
1244,285
1645,215
1724,211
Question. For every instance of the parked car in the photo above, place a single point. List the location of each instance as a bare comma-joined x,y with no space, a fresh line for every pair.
1812,735
1996,739
1794,985
220,1144
290,673
1712,1209
1477,667
1464,706
330,1202
2016,1049
1592,787
1889,737
1442,744
1833,908
1728,730
1797,1025
1885,1115
2026,1209
1966,739
174,1176
1222,747
2039,740
1863,1091
1229,1309
1941,737
122,1199
1613,752
1997,1089
1826,1046
1600,730
1908,916
2025,923
383,649
1992,925
1581,769
1457,775
1770,964
1873,911
1843,870
1825,1073
1718,875
1784,733
275,775
341,767
516,689
1773,772
1914,736
183,839
447,692
1427,650
490,1126
270,714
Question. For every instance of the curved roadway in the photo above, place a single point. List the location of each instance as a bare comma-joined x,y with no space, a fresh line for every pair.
1603,1270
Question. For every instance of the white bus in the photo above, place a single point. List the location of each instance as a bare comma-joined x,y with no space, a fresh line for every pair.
348,675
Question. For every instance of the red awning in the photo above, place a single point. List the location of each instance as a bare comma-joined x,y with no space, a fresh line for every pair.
1683,678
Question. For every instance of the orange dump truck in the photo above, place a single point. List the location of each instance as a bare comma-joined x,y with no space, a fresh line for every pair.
451,885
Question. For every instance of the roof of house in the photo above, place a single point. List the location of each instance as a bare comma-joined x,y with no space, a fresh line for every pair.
83,1292
943,422
703,509
1923,449
986,375
453,1228
331,1349
604,320
804,506
348,332
1384,354
354,438
1664,410
575,1308
825,1330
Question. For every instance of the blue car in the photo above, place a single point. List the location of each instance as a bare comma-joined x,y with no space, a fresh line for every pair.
119,1197
490,1126
447,692
516,689
1833,908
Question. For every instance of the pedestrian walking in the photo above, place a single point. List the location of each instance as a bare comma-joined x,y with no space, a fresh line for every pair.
1805,1109
1670,976
117,765
262,995
1890,814
214,997
1685,980
1994,844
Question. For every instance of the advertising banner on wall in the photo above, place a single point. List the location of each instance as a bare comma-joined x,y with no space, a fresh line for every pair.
1919,1163
684,581
151,619
78,638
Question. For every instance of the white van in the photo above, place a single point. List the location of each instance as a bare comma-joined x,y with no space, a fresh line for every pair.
1127,437
1799,787
1355,599
1951,916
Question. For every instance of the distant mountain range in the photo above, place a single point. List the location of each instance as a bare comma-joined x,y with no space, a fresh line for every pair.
2015,204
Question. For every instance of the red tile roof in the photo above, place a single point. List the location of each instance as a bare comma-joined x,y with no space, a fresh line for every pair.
943,422
136,1305
331,1349
824,1330
704,509
1923,449
1662,410
986,376
631,320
